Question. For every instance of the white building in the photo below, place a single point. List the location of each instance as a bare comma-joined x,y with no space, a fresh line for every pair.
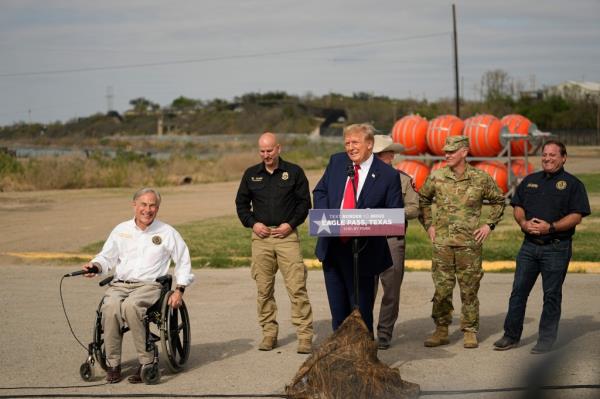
575,90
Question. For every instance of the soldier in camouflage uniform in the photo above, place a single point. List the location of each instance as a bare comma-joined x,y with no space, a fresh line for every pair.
458,191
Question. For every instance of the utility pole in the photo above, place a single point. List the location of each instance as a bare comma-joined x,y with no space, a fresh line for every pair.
456,85
109,98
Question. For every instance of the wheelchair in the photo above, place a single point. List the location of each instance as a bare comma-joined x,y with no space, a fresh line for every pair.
169,326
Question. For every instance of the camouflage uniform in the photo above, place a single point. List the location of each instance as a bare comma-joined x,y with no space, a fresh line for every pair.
456,253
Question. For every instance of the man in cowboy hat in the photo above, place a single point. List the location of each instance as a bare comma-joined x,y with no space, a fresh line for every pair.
385,149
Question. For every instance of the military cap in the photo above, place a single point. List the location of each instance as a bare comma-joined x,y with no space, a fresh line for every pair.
454,143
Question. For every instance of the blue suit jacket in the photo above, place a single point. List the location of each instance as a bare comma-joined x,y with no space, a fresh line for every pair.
382,189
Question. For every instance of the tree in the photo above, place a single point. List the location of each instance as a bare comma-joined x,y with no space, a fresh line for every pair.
143,106
496,85
182,103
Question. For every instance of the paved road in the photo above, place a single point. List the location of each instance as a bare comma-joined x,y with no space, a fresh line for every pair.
38,351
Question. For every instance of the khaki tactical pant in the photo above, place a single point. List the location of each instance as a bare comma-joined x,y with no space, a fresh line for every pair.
391,280
450,264
268,255
127,303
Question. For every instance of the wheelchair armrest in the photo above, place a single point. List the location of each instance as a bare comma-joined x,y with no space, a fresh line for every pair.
105,281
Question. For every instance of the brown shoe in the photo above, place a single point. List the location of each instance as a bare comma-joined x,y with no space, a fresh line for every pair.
470,340
268,343
137,377
113,374
304,346
439,337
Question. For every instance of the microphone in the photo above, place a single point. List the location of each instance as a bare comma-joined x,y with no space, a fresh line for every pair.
93,269
350,170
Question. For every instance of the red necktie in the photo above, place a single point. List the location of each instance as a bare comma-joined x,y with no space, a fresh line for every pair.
349,201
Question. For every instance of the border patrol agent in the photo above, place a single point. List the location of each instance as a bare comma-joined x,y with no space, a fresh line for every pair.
547,206
457,234
273,199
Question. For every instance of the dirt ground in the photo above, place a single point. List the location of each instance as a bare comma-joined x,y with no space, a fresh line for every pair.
38,353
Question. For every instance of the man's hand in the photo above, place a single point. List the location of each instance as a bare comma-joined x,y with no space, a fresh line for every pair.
482,233
282,231
261,230
176,299
536,227
87,268
431,233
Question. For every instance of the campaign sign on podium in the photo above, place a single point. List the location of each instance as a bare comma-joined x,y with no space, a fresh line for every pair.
356,222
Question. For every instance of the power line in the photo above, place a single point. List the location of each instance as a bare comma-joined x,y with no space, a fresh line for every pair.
221,58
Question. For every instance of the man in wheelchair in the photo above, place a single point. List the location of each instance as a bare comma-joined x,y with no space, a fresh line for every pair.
137,251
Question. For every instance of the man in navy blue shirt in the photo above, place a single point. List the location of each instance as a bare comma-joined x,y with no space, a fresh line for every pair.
547,206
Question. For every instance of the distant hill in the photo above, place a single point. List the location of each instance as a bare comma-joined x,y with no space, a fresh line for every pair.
283,113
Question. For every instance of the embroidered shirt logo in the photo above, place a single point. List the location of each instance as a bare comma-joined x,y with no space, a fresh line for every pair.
156,240
561,185
256,178
532,185
285,176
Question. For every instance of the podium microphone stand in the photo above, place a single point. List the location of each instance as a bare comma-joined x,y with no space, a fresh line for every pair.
355,250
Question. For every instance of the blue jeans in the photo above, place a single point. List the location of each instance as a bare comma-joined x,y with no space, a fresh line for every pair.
552,261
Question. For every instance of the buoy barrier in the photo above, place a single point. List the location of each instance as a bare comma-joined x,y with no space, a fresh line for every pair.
520,169
485,135
411,132
440,128
518,124
416,169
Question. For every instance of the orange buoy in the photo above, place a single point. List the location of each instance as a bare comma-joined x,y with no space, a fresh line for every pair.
438,165
519,169
518,124
484,133
411,132
416,169
440,128
497,170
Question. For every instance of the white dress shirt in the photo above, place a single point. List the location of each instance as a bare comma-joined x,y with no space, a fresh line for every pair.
363,172
145,255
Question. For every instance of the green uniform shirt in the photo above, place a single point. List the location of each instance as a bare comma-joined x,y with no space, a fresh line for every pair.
458,204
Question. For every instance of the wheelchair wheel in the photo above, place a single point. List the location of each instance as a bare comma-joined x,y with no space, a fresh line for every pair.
98,342
150,373
175,334
86,371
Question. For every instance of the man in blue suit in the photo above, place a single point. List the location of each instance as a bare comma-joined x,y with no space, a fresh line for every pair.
378,186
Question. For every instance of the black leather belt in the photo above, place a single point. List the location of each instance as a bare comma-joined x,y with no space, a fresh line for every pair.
539,241
126,281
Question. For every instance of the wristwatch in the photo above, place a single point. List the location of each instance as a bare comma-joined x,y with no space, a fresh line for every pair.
492,226
552,229
180,288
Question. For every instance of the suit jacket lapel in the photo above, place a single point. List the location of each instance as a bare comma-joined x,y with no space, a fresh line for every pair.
370,180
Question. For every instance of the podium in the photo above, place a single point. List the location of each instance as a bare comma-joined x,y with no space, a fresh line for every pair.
356,223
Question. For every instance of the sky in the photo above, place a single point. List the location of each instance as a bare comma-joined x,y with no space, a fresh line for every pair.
66,59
